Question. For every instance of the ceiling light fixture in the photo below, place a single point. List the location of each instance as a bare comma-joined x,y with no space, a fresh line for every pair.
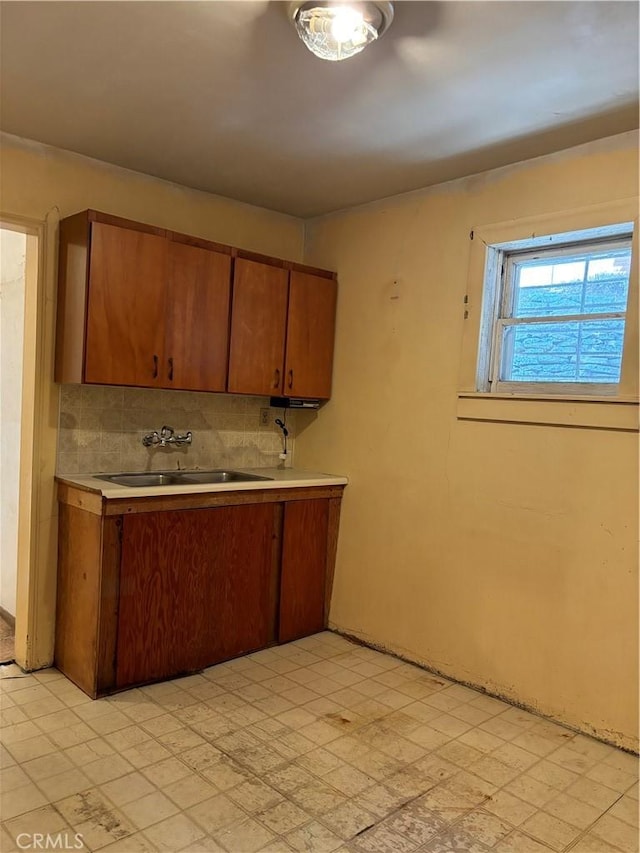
338,30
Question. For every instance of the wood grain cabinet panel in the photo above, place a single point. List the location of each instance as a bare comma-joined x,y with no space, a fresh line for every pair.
78,595
126,307
258,327
310,335
197,320
87,597
304,569
195,589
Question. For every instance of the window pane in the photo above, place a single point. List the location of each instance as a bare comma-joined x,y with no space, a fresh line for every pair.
582,351
549,301
593,283
607,283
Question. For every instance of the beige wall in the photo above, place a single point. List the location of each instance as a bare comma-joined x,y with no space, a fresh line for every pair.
503,555
44,184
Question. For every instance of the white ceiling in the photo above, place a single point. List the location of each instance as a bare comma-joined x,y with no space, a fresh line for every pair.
223,96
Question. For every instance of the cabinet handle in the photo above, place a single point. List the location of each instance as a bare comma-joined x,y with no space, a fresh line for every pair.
170,370
155,367
276,378
290,379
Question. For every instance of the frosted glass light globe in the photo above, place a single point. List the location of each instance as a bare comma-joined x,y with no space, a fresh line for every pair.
337,31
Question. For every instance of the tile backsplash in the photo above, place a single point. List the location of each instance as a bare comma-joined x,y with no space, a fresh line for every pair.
101,430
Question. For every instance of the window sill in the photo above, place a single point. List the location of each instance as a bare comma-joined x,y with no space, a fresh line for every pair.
619,413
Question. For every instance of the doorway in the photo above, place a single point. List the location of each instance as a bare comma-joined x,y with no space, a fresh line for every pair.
13,249
27,263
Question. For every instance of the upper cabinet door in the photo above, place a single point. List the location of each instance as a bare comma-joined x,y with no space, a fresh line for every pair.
197,341
310,335
258,326
126,307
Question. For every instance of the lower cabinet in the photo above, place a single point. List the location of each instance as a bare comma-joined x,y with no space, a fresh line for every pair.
304,569
195,587
149,590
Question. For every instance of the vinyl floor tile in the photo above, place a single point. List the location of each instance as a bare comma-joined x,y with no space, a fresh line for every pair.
318,746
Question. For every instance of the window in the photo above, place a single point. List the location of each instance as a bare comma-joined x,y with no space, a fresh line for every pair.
551,320
554,311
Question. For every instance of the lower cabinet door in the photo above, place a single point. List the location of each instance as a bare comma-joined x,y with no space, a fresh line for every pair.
196,588
304,568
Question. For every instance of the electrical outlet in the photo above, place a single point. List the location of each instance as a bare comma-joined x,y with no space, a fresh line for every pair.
264,417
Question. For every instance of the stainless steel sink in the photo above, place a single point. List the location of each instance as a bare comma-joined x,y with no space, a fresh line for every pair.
142,479
179,478
219,477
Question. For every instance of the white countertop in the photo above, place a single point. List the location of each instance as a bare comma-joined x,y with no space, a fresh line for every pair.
281,478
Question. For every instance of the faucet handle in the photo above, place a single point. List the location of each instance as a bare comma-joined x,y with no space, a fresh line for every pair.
151,439
167,431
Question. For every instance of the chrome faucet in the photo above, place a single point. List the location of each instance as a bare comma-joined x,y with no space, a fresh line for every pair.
166,437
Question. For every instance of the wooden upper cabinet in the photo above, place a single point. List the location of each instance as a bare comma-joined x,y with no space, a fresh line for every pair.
197,341
310,335
271,305
258,327
126,307
147,307
141,306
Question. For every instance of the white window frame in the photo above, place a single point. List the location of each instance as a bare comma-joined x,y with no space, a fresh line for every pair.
499,294
616,411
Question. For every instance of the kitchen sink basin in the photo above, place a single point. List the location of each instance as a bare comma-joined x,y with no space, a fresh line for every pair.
180,478
141,479
219,477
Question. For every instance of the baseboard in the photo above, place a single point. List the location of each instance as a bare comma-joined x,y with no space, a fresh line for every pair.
587,732
8,618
